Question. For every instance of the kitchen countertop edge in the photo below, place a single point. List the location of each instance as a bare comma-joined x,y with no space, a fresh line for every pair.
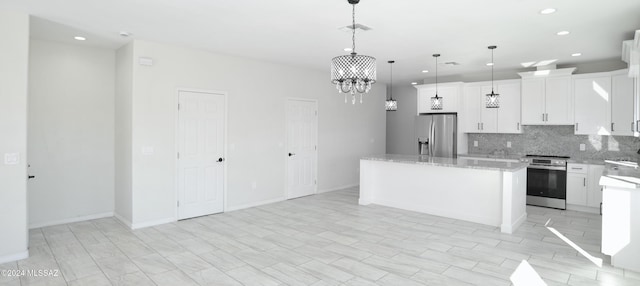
448,162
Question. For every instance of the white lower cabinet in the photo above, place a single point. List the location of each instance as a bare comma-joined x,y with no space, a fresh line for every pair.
577,184
583,189
594,193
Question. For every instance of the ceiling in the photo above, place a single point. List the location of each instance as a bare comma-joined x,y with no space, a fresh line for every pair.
306,34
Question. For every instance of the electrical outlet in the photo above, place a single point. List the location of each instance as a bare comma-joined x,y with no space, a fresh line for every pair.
508,144
583,147
11,158
475,143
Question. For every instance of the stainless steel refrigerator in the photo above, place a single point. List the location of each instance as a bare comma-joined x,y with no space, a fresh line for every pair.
436,135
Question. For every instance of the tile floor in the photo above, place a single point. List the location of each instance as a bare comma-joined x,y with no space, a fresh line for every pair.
327,239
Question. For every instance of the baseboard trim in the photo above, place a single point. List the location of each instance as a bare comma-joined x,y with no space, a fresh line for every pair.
122,220
152,223
505,228
338,188
256,204
584,209
14,257
70,220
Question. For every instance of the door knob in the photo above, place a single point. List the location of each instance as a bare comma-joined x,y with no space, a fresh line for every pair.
220,159
30,177
291,154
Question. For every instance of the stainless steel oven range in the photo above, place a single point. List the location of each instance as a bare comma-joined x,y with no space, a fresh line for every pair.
547,181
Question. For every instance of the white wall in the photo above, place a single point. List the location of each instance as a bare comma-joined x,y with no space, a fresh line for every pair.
123,138
256,125
71,98
14,59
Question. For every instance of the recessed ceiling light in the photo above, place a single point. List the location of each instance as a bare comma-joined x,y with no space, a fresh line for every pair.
80,38
563,33
489,64
125,34
414,83
547,11
576,54
347,49
425,71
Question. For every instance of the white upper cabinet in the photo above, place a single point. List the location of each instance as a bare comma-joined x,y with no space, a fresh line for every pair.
472,109
480,119
509,111
592,94
450,93
488,116
622,123
533,101
547,97
558,101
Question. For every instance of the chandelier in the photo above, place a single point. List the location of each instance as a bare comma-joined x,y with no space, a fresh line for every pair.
436,102
492,98
353,73
391,104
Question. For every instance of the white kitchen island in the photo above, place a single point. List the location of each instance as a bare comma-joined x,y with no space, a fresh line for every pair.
621,216
487,192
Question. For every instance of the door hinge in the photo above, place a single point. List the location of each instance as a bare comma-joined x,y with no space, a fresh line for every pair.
315,147
178,155
316,113
315,182
178,204
178,106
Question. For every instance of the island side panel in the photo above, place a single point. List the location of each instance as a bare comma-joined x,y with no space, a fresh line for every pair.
514,200
367,181
461,193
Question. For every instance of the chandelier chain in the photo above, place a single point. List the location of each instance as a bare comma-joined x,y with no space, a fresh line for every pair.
391,82
353,27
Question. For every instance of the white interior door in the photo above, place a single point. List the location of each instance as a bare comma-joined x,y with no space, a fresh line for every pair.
200,154
302,125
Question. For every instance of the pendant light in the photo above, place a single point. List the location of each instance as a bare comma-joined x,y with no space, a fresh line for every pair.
353,73
391,104
493,99
436,102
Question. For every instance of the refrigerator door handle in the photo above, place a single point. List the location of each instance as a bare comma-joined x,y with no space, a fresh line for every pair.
433,136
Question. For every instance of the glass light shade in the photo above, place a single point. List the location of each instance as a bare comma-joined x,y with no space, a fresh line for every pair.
436,103
391,105
353,73
493,100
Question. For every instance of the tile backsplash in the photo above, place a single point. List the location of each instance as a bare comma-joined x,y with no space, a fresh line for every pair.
555,140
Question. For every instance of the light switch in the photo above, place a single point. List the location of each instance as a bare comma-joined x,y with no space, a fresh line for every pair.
508,144
475,143
11,158
583,147
148,150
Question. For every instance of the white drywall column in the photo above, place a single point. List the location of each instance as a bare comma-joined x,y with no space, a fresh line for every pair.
14,62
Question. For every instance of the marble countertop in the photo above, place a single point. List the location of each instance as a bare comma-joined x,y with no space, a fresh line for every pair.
586,161
490,156
620,176
460,162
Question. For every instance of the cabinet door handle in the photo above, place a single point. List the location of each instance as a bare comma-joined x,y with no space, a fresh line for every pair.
546,117
576,126
612,126
543,117
638,126
478,125
481,125
632,129
584,181
518,125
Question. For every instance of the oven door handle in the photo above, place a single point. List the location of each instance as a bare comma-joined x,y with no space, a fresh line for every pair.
547,168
